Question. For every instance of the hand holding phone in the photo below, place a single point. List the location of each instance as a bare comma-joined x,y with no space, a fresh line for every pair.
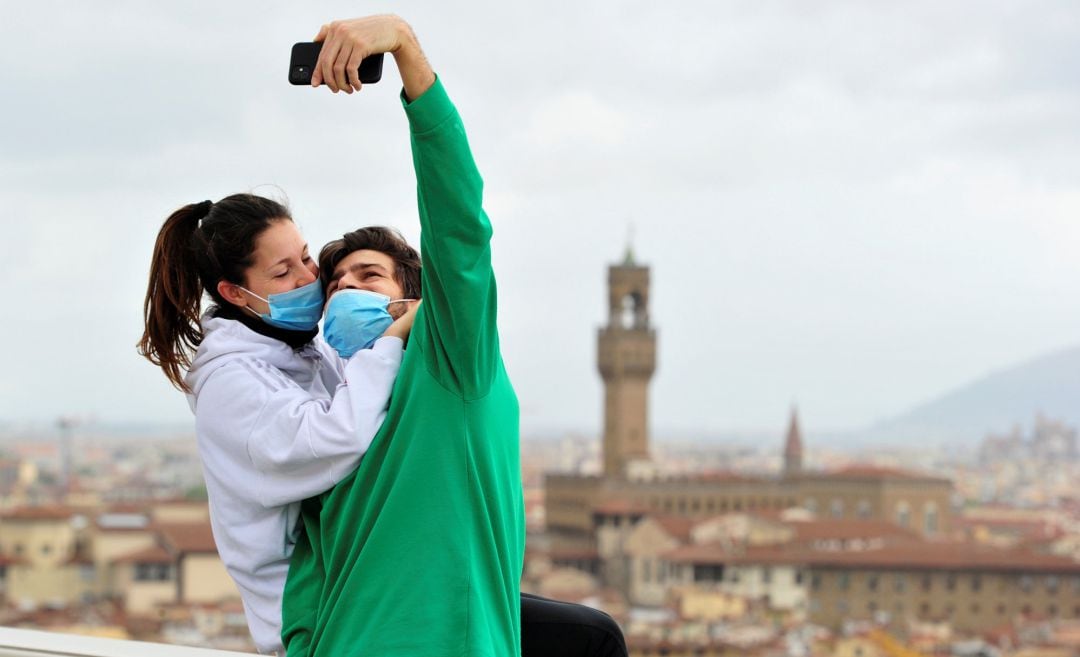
306,54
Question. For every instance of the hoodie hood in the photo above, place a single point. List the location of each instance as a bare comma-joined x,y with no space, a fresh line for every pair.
227,340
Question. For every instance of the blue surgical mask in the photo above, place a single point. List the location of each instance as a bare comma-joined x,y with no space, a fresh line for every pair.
298,310
355,319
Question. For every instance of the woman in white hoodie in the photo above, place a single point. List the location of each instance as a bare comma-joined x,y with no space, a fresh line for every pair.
279,416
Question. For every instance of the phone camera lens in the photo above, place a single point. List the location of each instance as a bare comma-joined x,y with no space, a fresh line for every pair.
300,74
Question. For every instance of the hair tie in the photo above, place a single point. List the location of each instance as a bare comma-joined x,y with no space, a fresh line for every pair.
201,209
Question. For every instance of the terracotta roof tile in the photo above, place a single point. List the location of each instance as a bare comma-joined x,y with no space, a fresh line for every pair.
187,537
675,525
621,507
38,513
122,530
878,472
838,529
152,554
125,508
911,555
12,561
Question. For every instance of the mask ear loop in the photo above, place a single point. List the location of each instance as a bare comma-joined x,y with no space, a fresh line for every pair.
400,301
247,307
266,301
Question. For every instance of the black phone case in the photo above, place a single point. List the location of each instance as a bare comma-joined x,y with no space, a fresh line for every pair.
306,54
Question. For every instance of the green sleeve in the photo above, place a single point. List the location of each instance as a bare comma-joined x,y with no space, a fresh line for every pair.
457,319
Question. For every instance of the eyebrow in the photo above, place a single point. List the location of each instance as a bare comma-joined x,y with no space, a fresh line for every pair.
286,259
339,272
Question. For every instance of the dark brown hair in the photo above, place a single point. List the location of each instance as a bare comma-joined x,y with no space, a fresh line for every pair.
376,238
198,246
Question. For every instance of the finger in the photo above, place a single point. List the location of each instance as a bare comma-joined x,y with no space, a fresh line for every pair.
341,63
316,74
353,68
325,65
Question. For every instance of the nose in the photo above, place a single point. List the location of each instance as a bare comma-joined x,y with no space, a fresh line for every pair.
348,282
308,276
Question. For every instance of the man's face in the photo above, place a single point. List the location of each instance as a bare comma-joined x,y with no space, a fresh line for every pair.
368,270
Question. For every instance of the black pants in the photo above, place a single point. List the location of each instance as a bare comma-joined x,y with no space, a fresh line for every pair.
550,628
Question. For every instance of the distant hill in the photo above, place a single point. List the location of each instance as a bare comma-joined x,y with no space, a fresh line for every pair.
1049,384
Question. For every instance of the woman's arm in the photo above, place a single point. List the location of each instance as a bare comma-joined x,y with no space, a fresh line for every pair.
289,445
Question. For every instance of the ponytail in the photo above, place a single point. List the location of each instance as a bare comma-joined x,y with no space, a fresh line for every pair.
174,296
189,260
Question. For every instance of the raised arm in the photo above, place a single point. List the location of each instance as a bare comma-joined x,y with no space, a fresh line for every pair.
456,326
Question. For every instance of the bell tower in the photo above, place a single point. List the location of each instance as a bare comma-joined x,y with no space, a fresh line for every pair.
793,447
626,357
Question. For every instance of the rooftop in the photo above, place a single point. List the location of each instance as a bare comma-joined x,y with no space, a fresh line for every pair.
187,536
908,555
30,513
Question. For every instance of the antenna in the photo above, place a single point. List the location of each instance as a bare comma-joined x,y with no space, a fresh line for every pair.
629,258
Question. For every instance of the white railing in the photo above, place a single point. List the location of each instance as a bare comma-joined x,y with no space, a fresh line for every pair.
32,643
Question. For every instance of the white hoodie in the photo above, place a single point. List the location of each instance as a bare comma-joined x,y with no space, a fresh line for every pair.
276,426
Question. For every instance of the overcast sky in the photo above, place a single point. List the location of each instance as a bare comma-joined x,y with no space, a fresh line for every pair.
851,205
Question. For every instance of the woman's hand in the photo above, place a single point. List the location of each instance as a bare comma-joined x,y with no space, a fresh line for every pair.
347,42
403,325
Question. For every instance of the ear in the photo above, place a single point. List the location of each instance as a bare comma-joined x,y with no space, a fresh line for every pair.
232,293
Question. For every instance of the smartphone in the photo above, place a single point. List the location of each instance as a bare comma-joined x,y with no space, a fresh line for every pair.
306,54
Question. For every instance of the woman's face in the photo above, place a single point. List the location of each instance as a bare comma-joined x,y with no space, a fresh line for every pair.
280,263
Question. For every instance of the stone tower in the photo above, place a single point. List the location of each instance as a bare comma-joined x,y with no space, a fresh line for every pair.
793,449
626,356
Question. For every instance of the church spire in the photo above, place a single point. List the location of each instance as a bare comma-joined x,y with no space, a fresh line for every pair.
793,447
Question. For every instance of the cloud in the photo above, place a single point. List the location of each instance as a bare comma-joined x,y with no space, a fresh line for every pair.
576,120
853,204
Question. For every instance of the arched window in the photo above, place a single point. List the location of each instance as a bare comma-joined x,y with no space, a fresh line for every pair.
632,312
903,513
930,518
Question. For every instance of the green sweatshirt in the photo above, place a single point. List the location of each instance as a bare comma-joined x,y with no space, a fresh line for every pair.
419,552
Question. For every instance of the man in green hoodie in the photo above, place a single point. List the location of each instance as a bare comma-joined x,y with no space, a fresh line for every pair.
419,552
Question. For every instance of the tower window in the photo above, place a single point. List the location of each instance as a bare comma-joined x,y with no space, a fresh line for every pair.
632,312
